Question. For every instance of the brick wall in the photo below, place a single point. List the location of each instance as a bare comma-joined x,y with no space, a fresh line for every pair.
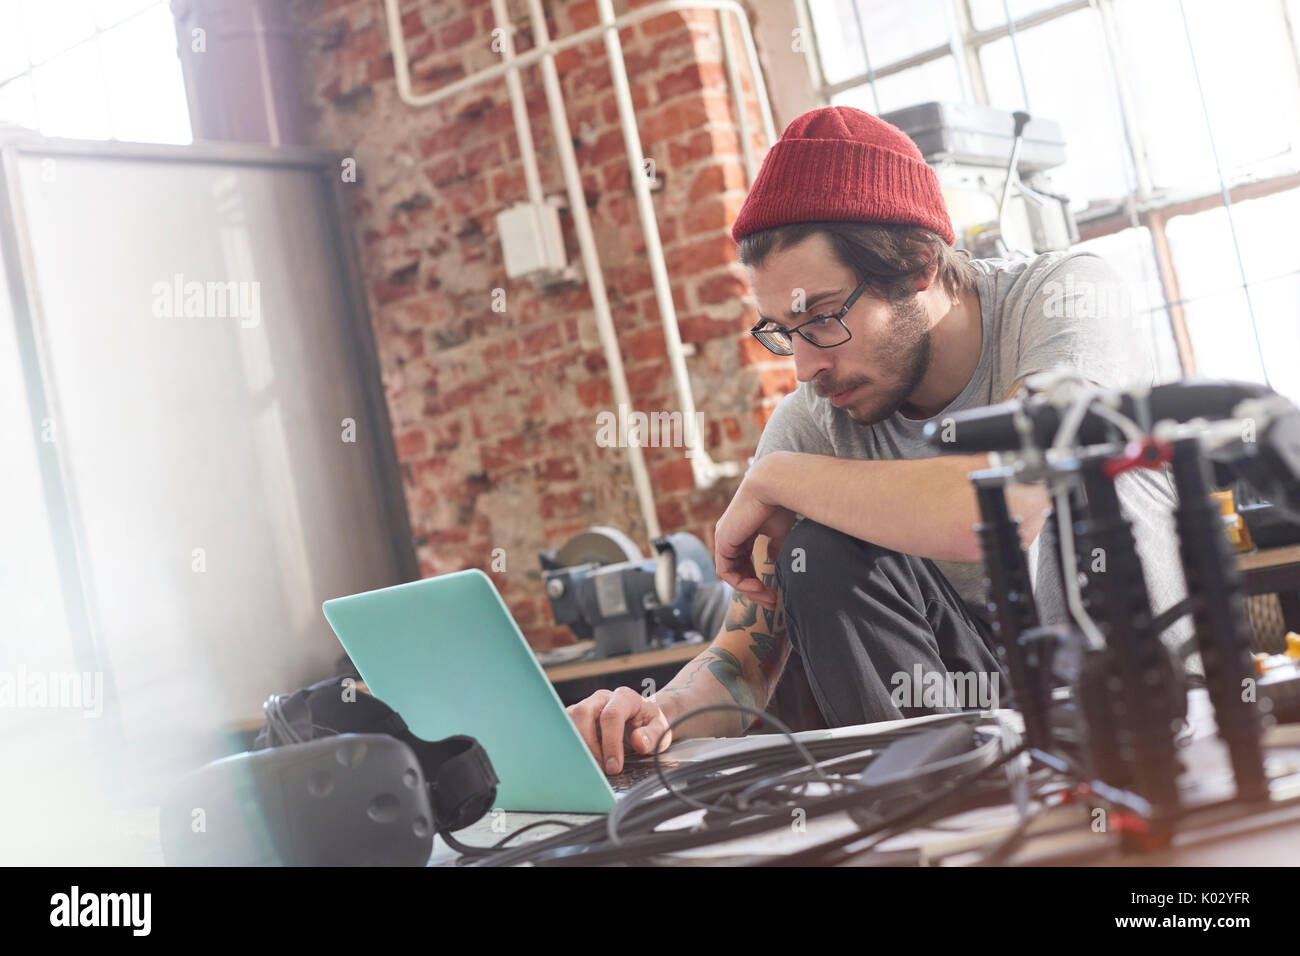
494,412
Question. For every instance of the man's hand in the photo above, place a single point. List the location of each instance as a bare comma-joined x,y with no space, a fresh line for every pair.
611,722
750,514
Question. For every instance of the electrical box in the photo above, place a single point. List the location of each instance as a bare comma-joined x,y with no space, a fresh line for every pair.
532,244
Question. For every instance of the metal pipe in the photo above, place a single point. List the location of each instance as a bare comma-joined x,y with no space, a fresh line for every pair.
518,108
737,96
703,468
401,66
591,260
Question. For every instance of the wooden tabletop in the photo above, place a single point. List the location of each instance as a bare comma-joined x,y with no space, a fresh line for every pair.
625,662
1269,558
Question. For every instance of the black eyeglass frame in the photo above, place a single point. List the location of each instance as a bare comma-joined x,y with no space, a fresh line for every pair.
838,316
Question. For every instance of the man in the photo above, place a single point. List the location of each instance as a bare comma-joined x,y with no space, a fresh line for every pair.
849,540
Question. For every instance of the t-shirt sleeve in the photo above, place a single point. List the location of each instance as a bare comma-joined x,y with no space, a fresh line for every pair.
1079,315
792,427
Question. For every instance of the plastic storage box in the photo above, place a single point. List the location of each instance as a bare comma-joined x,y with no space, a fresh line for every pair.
969,133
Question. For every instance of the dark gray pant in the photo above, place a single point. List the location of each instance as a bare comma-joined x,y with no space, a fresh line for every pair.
862,618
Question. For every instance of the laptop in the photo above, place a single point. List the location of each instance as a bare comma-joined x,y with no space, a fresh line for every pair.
445,653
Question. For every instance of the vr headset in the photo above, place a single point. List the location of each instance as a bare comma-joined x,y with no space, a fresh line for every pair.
335,778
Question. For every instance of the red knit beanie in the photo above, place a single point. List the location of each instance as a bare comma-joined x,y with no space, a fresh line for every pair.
839,163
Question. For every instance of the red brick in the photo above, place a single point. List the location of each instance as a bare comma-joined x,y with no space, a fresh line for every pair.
566,61
671,514
667,23
508,185
646,379
676,475
704,144
444,172
724,287
561,504
542,339
456,33
503,454
701,255
556,469
715,179
482,157
596,392
583,14
711,214
644,345
701,328
691,78
412,444
776,381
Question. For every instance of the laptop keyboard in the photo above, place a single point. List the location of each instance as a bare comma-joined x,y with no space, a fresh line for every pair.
634,773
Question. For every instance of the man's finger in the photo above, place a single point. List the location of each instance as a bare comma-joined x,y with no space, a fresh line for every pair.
584,714
647,728
614,716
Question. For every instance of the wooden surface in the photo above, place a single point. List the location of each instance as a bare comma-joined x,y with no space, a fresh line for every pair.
1269,558
625,662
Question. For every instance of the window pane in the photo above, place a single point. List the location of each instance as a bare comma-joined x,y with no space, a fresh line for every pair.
895,32
1070,81
146,90
1234,54
1132,255
838,43
936,80
110,12
54,27
70,95
1210,283
16,103
991,13
13,49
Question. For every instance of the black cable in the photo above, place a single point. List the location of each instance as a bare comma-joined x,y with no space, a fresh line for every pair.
701,783
532,826
891,826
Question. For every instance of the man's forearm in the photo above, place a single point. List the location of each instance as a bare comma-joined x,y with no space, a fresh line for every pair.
924,507
741,666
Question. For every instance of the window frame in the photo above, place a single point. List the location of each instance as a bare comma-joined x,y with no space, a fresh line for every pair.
1145,205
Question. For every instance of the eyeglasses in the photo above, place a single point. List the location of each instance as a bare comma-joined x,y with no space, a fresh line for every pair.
824,331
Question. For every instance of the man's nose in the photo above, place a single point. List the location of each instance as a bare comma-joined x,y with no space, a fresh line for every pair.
809,360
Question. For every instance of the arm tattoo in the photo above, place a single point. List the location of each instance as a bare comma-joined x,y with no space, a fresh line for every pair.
730,674
767,632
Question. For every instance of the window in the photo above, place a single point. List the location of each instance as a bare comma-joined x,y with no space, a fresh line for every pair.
1166,106
1060,59
92,69
1219,316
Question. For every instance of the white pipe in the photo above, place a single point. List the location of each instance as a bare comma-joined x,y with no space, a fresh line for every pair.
518,108
703,468
737,97
756,72
401,67
808,41
591,261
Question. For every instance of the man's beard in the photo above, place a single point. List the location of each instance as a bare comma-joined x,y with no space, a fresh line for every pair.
907,349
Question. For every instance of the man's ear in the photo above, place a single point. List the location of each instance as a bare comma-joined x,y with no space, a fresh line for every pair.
925,278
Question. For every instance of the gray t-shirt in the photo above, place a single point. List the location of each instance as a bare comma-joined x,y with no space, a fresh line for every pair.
1059,308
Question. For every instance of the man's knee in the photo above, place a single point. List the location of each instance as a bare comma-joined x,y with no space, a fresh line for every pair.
815,555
